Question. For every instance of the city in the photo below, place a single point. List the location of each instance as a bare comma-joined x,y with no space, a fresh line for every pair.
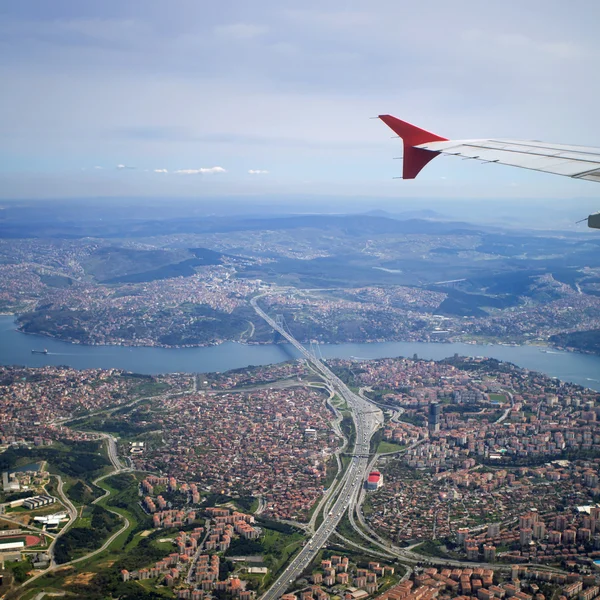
299,301
452,430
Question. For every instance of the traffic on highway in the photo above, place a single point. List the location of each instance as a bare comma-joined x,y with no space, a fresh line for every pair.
367,419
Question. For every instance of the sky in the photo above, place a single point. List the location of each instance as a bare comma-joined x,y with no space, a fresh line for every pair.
186,98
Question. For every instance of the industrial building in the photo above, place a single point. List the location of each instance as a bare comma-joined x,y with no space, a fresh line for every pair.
51,521
38,502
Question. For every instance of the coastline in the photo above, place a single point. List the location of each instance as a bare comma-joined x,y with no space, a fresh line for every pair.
15,349
542,346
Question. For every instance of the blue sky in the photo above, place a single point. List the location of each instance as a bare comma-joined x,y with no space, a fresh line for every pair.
190,98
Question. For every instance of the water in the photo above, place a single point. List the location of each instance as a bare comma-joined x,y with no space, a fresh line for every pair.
15,349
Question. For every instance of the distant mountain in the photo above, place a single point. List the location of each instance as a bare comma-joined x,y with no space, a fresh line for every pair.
408,214
131,228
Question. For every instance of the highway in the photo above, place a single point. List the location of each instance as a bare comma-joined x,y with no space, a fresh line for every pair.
367,419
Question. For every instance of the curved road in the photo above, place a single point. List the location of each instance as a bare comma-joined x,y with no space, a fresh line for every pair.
72,514
118,468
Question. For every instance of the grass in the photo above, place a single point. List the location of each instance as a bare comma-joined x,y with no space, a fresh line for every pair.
135,540
150,586
118,544
346,529
432,548
102,562
498,397
83,521
314,507
332,472
149,388
319,520
339,403
166,546
21,511
12,540
390,580
278,549
389,447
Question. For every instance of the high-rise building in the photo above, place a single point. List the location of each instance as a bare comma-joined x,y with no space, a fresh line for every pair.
561,522
461,536
472,551
489,553
434,417
539,530
525,536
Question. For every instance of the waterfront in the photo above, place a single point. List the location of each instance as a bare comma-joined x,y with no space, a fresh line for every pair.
15,349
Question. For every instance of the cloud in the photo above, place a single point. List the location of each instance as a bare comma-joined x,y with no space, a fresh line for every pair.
240,31
272,84
98,167
201,171
161,171
522,44
120,167
257,172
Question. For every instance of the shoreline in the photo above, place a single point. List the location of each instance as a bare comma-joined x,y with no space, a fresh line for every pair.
541,345
575,368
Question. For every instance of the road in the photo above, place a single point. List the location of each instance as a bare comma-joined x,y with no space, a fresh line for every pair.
118,468
192,570
505,414
72,516
367,419
113,455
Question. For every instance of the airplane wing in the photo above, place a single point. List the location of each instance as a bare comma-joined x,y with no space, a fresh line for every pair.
421,146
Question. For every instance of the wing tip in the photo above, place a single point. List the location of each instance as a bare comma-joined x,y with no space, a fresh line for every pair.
414,158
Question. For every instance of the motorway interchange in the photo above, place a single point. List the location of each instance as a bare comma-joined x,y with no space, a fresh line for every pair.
367,419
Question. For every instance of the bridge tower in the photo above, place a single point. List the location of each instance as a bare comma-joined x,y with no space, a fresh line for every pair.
280,322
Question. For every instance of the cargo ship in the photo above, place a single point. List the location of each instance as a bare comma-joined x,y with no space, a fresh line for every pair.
44,351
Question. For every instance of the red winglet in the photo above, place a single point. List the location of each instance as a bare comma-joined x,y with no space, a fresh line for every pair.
414,158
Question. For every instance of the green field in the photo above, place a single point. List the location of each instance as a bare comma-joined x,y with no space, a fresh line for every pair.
389,447
278,548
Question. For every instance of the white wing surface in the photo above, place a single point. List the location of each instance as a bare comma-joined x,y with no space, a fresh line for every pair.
579,162
421,146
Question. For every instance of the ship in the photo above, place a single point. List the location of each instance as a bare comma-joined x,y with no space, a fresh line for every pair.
44,351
